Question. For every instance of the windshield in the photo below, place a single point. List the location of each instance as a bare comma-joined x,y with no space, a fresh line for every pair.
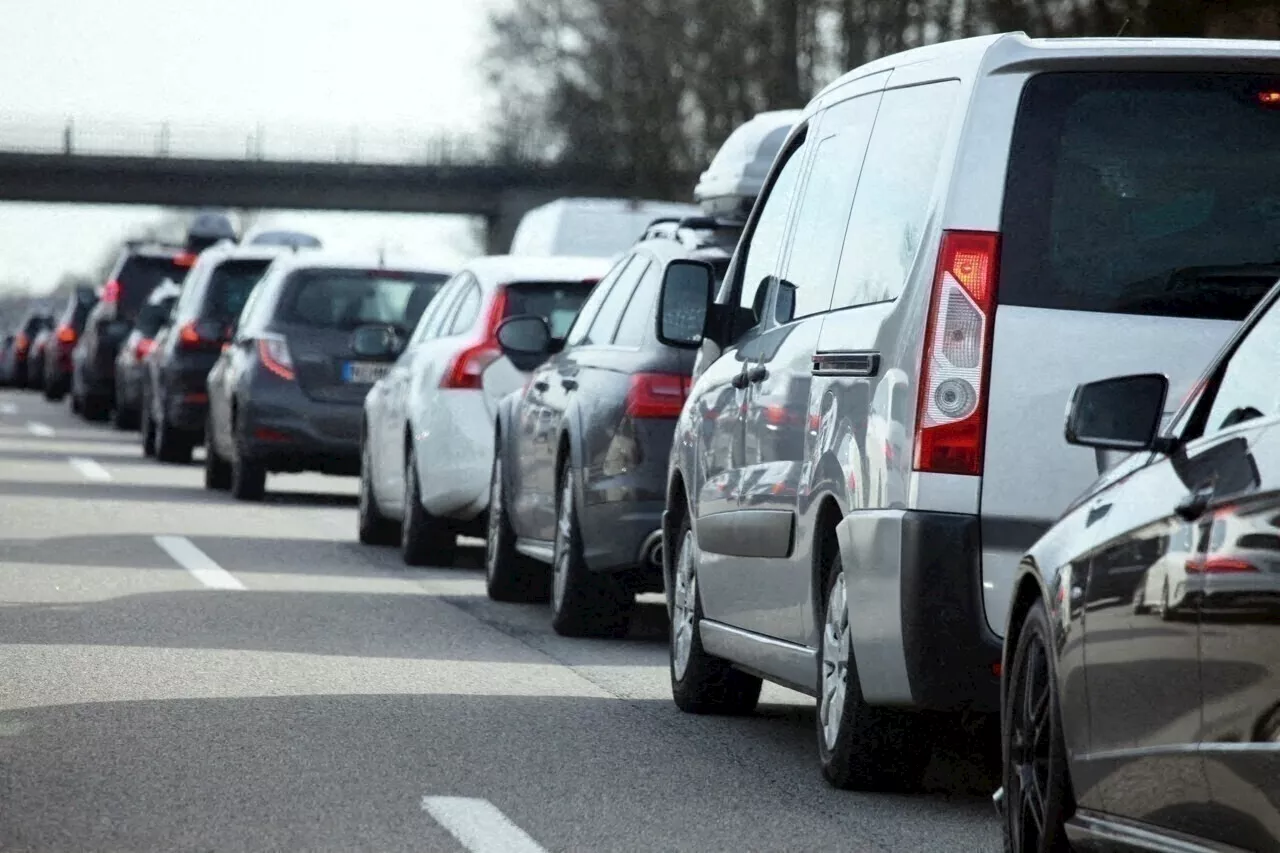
229,288
1143,194
556,302
345,299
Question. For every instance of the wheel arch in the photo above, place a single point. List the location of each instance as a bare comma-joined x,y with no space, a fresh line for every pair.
1028,588
825,547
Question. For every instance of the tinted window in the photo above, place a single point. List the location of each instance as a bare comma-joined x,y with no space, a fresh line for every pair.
344,299
892,203
1259,541
467,312
639,316
152,316
824,208
582,323
765,247
556,302
80,313
139,276
229,288
1143,194
37,324
1248,389
606,321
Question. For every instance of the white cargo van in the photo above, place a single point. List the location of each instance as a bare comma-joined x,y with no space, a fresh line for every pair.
590,227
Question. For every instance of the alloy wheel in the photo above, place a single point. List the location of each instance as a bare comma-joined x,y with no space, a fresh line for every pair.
1030,745
835,662
684,607
493,529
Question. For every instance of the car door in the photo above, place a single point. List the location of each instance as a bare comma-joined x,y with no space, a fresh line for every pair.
732,539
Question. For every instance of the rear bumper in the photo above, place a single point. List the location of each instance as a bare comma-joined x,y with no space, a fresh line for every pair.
615,534
919,630
325,437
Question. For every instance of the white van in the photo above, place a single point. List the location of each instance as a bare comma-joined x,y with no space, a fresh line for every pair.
590,227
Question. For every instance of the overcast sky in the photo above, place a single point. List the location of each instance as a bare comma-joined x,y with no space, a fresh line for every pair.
300,65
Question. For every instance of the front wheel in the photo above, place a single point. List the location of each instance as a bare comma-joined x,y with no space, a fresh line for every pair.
860,747
509,575
373,527
1036,785
583,603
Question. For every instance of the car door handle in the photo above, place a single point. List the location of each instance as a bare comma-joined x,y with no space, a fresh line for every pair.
740,381
1193,505
540,385
568,384
757,374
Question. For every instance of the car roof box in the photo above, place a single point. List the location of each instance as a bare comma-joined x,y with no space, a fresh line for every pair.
729,186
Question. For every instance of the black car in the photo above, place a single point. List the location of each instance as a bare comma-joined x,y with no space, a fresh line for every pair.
57,357
1141,667
131,362
175,392
286,394
580,464
18,369
140,269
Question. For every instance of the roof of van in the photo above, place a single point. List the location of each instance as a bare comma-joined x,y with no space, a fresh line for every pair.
508,268
1004,50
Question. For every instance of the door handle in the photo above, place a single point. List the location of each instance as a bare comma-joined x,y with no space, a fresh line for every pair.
757,373
741,380
540,385
568,384
1193,505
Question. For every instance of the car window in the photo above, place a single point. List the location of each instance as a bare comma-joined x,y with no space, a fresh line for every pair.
606,321
464,316
823,212
346,298
139,276
582,323
892,203
1247,389
764,247
229,287
440,309
556,302
639,318
1143,193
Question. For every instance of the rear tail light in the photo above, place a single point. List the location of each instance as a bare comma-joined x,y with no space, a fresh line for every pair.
111,293
657,395
274,352
469,364
20,343
66,334
186,259
952,413
206,335
143,348
1219,566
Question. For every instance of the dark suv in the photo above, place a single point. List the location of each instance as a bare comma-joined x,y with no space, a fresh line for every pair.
57,358
581,459
140,269
131,363
287,393
175,385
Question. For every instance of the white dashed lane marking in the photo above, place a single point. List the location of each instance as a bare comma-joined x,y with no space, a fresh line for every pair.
201,566
8,409
40,430
479,825
90,470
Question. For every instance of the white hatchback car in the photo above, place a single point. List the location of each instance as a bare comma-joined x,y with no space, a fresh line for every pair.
427,439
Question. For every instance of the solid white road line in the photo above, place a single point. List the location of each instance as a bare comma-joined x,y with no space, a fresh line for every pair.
198,563
479,825
38,429
90,470
8,409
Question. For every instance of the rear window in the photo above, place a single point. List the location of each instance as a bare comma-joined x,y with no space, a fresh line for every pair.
229,288
37,324
556,302
344,299
1144,193
152,316
139,276
80,313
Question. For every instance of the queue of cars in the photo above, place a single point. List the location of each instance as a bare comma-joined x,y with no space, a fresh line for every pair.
820,413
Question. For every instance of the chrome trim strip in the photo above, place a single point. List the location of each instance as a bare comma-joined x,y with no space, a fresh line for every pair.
846,363
786,663
1091,832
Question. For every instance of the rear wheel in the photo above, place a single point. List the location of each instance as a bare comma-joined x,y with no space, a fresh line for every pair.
172,445
217,471
509,575
122,416
148,429
248,475
583,603
77,405
424,539
374,527
95,408
700,683
860,746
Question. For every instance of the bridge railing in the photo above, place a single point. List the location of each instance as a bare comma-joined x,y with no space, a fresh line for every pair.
354,144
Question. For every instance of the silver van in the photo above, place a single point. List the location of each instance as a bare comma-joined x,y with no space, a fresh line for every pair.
949,241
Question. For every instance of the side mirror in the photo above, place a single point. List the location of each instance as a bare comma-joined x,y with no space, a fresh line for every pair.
1123,413
685,303
376,341
525,340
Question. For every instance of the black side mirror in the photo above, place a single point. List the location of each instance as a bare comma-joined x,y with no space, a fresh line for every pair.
1123,413
684,303
376,341
525,340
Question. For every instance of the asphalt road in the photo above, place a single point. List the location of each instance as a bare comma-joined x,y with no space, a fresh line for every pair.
180,672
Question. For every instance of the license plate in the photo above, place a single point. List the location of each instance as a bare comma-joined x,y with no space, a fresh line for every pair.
364,372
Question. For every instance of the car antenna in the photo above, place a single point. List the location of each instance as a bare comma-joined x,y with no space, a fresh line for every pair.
1124,27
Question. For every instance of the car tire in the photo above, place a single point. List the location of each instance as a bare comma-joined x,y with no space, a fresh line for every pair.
509,575
217,471
1032,743
1168,613
172,446
52,392
94,408
77,406
248,476
374,527
861,747
700,683
122,417
583,603
424,539
148,430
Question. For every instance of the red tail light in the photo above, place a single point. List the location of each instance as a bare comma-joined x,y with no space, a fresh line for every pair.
274,352
1219,566
111,293
952,408
20,343
657,395
66,334
143,348
186,259
468,365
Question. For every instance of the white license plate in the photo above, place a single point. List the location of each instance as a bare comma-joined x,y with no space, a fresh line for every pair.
364,372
